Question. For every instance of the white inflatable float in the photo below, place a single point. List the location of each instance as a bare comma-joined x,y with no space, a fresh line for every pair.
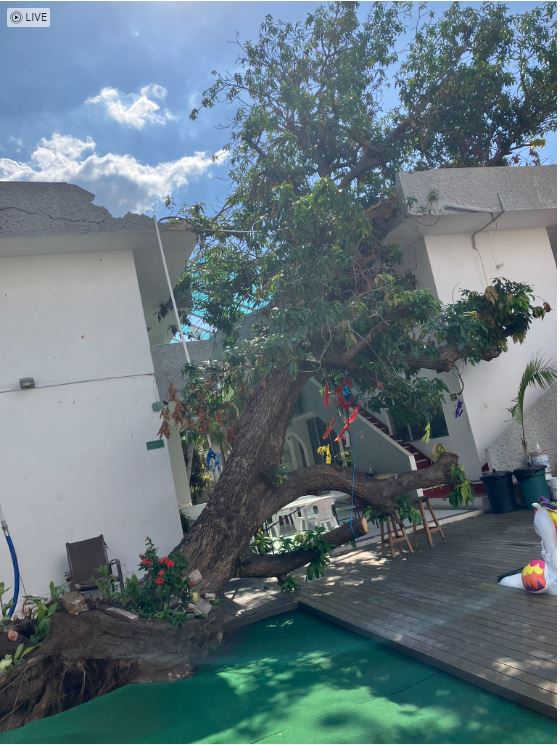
539,575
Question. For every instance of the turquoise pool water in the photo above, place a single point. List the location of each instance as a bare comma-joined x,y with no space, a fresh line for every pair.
298,679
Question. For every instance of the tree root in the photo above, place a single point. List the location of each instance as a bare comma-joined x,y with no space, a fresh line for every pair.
88,655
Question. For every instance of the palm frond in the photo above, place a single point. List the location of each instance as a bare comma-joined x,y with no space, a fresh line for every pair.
538,373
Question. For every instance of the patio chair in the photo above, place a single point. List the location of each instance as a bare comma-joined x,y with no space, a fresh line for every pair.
85,558
321,515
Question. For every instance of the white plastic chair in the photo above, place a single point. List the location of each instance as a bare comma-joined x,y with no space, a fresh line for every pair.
273,527
320,515
301,520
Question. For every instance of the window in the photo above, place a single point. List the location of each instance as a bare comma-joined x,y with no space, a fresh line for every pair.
414,430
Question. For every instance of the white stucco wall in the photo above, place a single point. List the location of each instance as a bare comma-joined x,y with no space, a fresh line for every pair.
73,450
520,255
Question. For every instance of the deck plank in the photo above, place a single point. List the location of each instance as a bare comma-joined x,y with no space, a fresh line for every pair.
443,606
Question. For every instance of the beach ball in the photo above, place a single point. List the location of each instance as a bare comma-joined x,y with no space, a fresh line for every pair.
533,576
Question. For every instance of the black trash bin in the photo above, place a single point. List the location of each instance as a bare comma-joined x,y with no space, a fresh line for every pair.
499,487
533,483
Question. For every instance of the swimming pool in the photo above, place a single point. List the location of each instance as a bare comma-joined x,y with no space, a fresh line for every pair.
298,679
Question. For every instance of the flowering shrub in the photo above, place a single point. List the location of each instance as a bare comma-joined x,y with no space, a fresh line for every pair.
161,593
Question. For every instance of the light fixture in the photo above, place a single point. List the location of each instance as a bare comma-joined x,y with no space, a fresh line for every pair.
26,383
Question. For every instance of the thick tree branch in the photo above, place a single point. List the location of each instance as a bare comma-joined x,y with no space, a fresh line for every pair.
372,156
380,494
445,358
280,564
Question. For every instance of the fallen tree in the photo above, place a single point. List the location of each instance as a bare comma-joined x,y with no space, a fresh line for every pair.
301,241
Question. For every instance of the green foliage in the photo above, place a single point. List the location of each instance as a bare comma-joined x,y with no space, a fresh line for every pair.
4,607
14,660
43,613
56,591
278,476
201,479
462,494
404,506
162,593
537,374
308,540
313,540
343,458
40,611
289,584
262,543
314,151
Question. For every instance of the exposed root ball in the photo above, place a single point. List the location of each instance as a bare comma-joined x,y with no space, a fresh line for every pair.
93,653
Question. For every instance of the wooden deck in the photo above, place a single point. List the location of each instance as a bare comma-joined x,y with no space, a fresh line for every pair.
441,605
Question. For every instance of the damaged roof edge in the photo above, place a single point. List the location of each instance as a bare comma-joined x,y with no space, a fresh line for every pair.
448,190
39,208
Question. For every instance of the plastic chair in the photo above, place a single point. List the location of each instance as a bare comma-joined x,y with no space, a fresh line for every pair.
301,520
84,560
321,515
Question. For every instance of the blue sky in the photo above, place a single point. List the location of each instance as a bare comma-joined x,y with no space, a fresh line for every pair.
102,97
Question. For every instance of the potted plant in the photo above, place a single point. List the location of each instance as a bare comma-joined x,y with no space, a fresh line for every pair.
538,373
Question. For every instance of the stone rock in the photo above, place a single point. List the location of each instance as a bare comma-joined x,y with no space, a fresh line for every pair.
121,613
194,578
74,603
204,606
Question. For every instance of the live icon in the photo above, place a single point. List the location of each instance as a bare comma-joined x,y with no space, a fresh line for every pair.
28,17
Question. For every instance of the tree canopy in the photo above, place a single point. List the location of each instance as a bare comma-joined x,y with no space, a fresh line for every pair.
324,114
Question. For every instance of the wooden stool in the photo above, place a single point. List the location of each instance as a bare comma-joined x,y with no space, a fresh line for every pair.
434,527
396,532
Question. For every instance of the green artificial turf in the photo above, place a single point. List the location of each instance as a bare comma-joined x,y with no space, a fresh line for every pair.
297,679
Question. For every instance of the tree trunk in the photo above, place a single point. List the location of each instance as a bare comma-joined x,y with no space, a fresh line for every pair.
238,503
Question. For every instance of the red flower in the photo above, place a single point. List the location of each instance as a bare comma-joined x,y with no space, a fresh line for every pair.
168,563
146,563
161,572
159,580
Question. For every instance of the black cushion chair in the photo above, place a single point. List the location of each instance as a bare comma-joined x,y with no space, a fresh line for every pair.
84,560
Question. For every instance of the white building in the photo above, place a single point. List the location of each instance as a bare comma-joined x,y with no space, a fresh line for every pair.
78,291
484,223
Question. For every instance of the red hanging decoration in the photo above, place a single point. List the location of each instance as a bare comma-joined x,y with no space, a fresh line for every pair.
351,419
326,396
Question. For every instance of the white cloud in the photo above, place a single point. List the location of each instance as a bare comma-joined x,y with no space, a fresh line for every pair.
120,182
134,109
